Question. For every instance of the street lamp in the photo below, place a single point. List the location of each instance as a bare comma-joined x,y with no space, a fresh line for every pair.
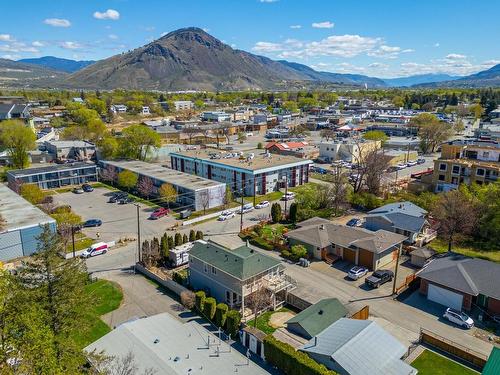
285,178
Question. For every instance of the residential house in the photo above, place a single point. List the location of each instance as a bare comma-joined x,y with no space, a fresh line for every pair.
118,108
404,218
162,344
71,150
231,276
298,149
146,111
316,318
358,347
461,283
183,105
328,241
78,100
14,111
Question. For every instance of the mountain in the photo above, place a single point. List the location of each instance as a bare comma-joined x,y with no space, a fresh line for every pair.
57,63
19,74
485,78
418,79
192,59
353,79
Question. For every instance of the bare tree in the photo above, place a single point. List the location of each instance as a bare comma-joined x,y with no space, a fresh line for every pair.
338,190
226,130
369,163
188,299
204,197
327,133
191,131
258,301
109,174
146,186
457,216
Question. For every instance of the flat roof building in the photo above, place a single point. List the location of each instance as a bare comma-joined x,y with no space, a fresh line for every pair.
22,225
53,176
193,192
255,171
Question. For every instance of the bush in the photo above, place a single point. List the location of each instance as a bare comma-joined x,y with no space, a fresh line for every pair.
259,146
233,320
291,362
200,300
178,239
262,243
365,200
297,252
293,213
188,299
181,277
199,235
192,235
276,214
184,238
170,242
220,314
209,308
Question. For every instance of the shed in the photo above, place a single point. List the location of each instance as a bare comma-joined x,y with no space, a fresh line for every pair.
313,320
420,255
492,367
253,339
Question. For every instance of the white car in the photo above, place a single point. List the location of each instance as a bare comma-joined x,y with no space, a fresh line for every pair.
459,318
98,248
226,215
246,208
262,204
357,272
288,196
411,163
400,166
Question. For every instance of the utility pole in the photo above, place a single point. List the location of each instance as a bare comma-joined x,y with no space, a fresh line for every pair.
254,192
396,270
138,234
73,239
286,193
241,212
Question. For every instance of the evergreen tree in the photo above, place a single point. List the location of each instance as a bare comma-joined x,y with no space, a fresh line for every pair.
192,235
170,242
178,239
276,214
184,238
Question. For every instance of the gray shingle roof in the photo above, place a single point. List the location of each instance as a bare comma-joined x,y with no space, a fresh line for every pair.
241,263
322,233
468,275
407,208
402,215
360,347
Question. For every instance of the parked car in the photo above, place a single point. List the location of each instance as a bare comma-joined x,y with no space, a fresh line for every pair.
158,213
226,215
288,196
357,272
459,318
87,188
184,214
98,248
117,196
420,161
411,163
354,222
92,223
125,200
246,208
379,277
400,166
78,190
262,204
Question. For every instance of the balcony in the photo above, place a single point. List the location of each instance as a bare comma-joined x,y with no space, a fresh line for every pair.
277,283
425,237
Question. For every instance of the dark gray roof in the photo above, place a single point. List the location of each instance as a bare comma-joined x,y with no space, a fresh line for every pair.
49,168
468,275
241,263
407,208
423,252
406,222
19,109
5,108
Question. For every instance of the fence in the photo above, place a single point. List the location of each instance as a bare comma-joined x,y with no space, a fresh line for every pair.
459,351
297,302
169,284
409,281
362,314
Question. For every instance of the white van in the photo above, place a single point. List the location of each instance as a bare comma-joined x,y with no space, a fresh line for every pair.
98,248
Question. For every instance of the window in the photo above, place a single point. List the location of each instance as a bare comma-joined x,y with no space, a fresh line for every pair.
442,167
214,270
205,267
480,172
455,169
441,177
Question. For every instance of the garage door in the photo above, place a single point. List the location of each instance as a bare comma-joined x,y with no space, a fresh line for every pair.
349,255
365,259
445,297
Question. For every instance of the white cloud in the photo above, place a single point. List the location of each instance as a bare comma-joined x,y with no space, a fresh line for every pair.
113,36
70,45
57,22
436,45
323,25
110,14
267,47
17,47
490,63
377,65
456,56
6,38
37,43
295,26
206,29
163,33
11,57
388,52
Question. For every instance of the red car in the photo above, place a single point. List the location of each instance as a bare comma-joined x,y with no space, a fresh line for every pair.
159,212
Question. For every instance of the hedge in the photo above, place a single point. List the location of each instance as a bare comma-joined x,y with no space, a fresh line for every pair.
262,243
291,362
181,277
209,308
233,320
220,314
200,300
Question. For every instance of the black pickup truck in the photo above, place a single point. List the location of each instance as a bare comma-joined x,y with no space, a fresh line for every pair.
379,277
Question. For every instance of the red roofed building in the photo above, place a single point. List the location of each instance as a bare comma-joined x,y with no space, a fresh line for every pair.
298,149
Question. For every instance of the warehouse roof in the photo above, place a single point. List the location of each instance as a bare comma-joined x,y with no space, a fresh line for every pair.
168,346
18,213
49,168
241,263
164,174
261,159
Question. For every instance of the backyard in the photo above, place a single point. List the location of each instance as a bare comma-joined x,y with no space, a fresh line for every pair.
270,321
107,297
430,363
475,251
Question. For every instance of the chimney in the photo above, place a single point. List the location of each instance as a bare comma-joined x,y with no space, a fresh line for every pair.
322,227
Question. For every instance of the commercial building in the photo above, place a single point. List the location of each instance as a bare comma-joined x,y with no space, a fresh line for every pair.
466,162
53,176
215,116
301,150
193,192
183,105
351,150
71,150
161,344
22,225
254,172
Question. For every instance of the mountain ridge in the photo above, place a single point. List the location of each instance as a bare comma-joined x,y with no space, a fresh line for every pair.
59,63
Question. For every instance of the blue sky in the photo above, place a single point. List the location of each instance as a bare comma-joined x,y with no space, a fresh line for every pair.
384,38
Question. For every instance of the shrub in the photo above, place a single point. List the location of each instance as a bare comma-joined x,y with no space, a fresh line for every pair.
200,300
184,238
262,243
180,277
178,239
276,214
233,320
259,146
365,200
164,245
293,212
199,235
192,235
297,252
291,362
188,299
209,308
220,314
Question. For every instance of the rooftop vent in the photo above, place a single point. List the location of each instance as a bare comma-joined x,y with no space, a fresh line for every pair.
320,312
156,341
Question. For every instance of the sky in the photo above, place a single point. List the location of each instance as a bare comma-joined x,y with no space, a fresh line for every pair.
382,38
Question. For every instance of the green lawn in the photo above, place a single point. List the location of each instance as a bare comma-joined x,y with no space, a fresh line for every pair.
269,230
272,196
322,176
81,242
212,210
263,320
430,363
473,251
107,296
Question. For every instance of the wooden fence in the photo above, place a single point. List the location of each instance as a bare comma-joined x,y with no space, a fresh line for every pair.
459,351
409,281
362,314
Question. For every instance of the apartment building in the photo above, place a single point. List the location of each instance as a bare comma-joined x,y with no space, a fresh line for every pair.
466,162
351,150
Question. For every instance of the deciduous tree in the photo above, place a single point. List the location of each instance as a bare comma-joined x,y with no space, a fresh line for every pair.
127,179
17,139
168,193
